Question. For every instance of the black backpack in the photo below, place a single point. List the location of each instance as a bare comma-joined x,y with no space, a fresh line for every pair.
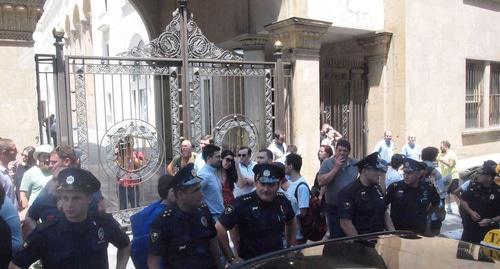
313,224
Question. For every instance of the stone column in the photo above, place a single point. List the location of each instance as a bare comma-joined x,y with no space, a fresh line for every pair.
301,39
376,48
254,92
18,20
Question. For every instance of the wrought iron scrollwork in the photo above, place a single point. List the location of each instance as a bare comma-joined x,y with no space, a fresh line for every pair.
269,107
174,110
169,43
236,121
196,108
81,113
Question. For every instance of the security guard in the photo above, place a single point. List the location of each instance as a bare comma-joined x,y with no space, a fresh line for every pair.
75,239
361,203
184,236
481,202
412,198
261,217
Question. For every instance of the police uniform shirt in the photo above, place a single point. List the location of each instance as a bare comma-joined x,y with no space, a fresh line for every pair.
63,244
182,238
364,206
409,205
261,224
486,202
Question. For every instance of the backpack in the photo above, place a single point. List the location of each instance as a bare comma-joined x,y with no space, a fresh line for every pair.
313,224
141,225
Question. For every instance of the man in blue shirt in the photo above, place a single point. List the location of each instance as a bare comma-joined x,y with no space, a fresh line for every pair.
211,185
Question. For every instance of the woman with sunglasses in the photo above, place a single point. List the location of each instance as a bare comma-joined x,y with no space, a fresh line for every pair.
228,176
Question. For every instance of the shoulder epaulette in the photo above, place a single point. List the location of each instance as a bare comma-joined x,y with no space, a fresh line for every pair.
167,213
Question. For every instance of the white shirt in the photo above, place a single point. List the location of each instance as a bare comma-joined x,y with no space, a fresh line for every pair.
245,171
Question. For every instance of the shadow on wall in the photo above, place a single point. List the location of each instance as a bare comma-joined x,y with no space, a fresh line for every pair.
486,4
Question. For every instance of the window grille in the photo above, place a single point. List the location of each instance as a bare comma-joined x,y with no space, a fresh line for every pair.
494,107
473,91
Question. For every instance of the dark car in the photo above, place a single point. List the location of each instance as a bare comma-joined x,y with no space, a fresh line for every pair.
380,250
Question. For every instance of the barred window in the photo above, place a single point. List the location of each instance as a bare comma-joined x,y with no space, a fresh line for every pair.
494,105
473,92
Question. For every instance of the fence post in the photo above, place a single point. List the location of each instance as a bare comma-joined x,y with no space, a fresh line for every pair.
63,113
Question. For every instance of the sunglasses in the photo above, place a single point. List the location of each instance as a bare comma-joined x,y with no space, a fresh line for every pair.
242,155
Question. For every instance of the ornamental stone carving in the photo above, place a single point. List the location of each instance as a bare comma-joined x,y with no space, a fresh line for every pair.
19,18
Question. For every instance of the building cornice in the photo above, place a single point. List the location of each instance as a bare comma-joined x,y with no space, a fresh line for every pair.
19,19
299,33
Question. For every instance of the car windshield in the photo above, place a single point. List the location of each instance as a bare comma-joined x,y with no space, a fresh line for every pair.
380,250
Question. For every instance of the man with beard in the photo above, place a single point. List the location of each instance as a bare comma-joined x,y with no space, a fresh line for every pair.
211,185
411,199
261,216
361,203
36,177
184,236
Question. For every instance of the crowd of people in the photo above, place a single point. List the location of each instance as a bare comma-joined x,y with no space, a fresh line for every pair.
219,207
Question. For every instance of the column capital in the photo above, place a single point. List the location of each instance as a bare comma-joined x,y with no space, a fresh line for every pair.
20,19
376,45
299,33
252,41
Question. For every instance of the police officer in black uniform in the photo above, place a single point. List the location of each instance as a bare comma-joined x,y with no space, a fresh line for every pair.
481,203
411,199
261,217
75,239
361,203
184,235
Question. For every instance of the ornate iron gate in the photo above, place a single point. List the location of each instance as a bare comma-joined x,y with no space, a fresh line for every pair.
129,114
343,99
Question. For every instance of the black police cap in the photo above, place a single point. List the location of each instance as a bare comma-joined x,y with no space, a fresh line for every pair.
488,168
410,164
372,161
76,179
268,173
186,177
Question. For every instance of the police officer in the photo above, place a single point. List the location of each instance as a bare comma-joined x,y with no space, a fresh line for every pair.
412,198
75,239
184,236
361,203
481,203
261,217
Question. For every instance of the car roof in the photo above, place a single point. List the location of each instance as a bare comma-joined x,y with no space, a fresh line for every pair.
400,249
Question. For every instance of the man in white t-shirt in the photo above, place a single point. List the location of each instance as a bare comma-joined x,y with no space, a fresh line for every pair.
246,183
299,189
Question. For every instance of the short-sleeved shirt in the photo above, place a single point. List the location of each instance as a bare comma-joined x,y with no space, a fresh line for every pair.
392,176
409,205
182,239
261,225
303,196
211,187
65,244
364,206
451,172
486,202
177,162
9,213
33,182
347,174
411,152
385,150
8,185
199,162
246,171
